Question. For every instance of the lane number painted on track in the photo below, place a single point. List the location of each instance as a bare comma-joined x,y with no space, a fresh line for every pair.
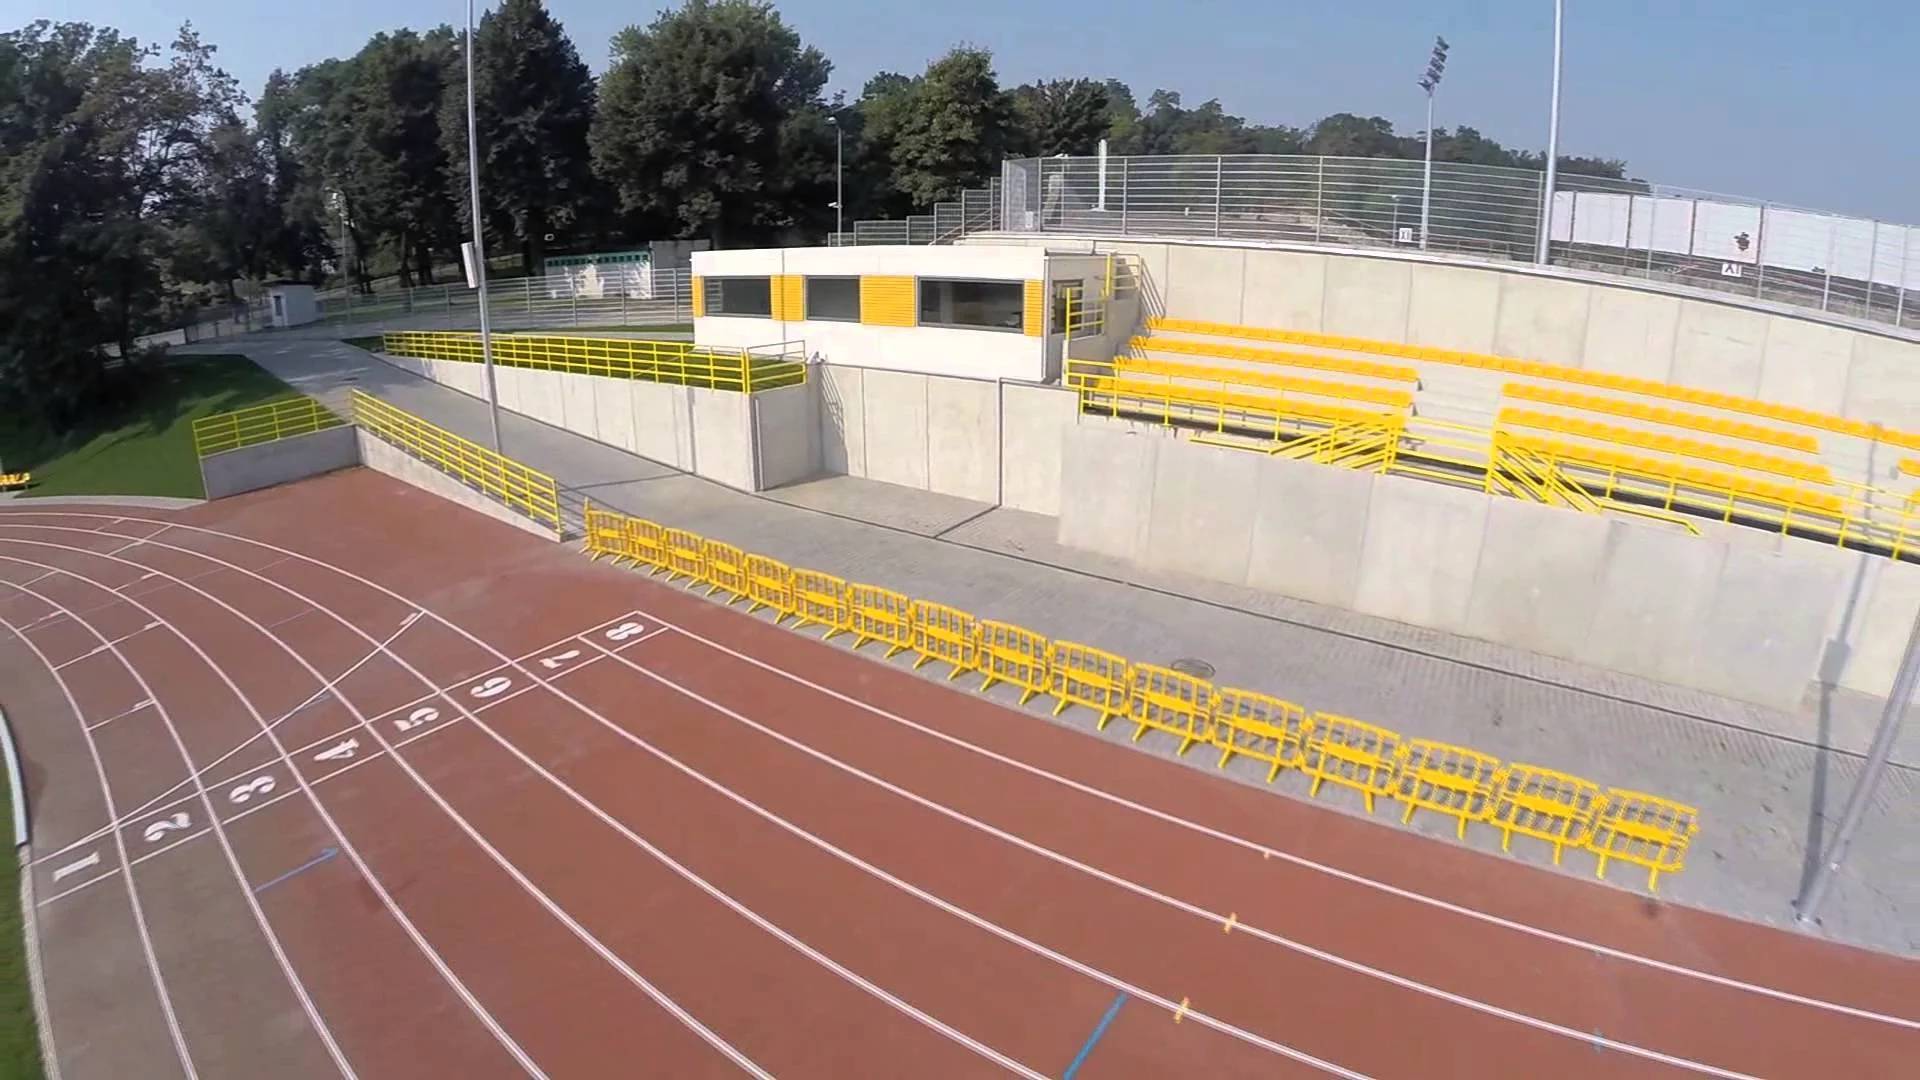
625,630
417,718
259,785
165,825
92,859
559,660
339,751
493,687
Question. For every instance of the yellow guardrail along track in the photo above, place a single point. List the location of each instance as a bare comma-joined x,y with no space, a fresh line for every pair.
526,490
674,362
1615,825
259,424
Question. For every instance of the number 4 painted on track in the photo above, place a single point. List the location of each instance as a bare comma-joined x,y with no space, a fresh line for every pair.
558,659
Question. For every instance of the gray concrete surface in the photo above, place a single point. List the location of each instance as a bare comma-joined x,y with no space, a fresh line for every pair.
282,461
1763,795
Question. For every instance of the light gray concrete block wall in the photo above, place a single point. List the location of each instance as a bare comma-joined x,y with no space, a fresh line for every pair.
786,435
1757,617
282,461
381,456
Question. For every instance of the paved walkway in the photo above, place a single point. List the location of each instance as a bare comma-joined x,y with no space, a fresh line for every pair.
1759,777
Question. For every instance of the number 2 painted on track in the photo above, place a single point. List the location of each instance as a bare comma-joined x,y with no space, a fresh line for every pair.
625,630
493,687
417,718
259,785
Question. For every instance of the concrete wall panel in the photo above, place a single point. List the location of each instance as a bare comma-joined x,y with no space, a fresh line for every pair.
1538,582
1719,348
1542,319
1765,629
1805,364
963,438
577,405
722,437
1875,633
506,382
1106,490
1309,526
1418,561
1033,424
787,435
541,396
1284,289
282,461
843,421
1453,308
894,404
1630,333
1656,585
662,424
613,411
1367,298
1883,383
1202,520
1205,283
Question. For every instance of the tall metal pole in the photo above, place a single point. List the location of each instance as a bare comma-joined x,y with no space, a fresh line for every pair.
479,244
839,179
1807,906
1553,141
1426,179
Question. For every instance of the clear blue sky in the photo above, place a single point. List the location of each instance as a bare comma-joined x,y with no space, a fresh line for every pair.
1799,103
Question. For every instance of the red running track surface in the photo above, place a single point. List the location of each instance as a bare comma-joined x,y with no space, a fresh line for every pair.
336,779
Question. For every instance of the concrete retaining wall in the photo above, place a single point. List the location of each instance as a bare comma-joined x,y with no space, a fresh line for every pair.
1753,616
381,456
282,461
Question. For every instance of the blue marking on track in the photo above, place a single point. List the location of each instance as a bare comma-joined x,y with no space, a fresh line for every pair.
325,854
1098,1030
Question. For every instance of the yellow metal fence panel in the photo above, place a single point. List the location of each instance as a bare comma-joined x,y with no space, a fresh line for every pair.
1171,701
769,585
606,533
529,491
1350,753
726,569
820,599
1546,805
1083,675
1645,830
1265,728
1015,655
945,633
686,555
882,615
259,424
1450,779
646,544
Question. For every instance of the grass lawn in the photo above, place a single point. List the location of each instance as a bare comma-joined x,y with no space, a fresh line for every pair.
145,446
19,1039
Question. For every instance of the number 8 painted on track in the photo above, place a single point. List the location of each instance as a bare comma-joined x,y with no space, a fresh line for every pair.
625,630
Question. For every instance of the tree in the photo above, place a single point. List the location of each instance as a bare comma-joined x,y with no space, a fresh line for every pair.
692,125
1061,116
947,130
533,106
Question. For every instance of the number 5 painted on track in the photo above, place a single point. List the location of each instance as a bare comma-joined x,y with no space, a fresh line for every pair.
625,630
493,687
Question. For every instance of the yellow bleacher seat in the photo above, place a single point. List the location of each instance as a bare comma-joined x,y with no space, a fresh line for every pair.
1654,414
12,481
1279,358
1372,395
1666,444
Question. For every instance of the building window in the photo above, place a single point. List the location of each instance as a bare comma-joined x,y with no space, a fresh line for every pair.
740,296
833,299
973,305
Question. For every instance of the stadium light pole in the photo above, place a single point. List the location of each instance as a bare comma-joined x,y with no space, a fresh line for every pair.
1553,140
1436,66
479,244
839,188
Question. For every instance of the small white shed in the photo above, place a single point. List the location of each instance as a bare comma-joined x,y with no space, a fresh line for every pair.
290,303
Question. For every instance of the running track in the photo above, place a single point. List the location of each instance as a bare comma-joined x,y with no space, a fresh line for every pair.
339,780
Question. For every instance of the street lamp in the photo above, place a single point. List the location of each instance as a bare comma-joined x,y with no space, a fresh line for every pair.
839,189
1436,66
479,244
1553,142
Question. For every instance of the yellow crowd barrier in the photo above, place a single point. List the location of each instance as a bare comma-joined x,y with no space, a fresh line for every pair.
259,424
15,480
1615,825
677,362
529,491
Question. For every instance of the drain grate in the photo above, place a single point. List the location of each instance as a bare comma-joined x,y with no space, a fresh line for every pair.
1194,666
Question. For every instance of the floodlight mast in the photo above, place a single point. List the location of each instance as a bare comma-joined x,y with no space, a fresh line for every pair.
1436,67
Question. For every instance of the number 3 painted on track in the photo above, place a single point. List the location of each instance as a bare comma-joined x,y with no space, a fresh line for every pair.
625,630
493,687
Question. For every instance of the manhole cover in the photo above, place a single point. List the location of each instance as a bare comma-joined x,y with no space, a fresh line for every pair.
1188,665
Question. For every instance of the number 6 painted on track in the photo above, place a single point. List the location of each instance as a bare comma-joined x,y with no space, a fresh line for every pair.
493,687
625,630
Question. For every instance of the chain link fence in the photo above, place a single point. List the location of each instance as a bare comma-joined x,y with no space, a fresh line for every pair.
1848,266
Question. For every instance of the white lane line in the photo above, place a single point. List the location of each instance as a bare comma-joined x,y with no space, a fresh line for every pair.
138,859
121,715
120,847
566,919
112,872
105,645
1608,951
206,801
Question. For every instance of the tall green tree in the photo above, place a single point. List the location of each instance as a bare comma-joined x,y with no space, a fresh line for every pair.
1061,116
949,129
699,114
533,106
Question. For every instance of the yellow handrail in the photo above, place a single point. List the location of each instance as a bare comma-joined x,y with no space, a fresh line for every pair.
527,490
674,362
258,424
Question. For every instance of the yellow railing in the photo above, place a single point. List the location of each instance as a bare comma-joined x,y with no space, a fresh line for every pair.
1471,787
526,490
261,424
676,362
1082,316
